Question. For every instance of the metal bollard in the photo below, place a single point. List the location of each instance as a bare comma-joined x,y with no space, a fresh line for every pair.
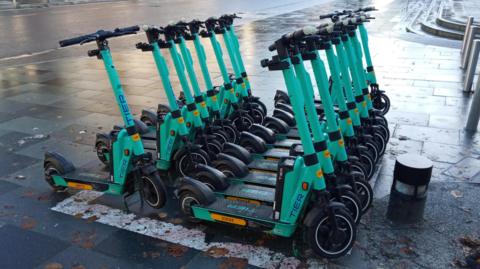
474,113
467,32
466,55
408,194
472,66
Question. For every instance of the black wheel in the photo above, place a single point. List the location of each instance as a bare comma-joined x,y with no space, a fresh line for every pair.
187,200
185,164
384,132
243,122
358,167
221,135
232,133
380,142
352,203
214,146
331,241
368,163
154,191
373,150
261,105
364,193
381,102
53,168
102,147
257,115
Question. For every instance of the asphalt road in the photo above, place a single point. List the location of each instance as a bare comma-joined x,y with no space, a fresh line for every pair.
37,31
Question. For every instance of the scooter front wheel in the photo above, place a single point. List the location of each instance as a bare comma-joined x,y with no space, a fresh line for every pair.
352,203
332,238
186,163
364,193
381,103
154,191
103,150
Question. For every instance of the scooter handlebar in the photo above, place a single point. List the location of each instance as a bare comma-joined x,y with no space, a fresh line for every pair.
99,35
147,28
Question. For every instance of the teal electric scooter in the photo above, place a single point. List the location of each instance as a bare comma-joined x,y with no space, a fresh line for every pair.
131,169
300,197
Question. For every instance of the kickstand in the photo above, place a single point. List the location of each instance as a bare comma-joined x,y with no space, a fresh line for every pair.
125,201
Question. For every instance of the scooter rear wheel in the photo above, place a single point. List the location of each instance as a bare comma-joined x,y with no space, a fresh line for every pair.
154,191
52,168
103,149
329,240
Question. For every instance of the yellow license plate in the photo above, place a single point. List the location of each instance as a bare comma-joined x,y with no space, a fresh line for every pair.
228,219
79,186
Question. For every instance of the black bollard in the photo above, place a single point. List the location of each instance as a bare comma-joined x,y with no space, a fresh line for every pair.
408,194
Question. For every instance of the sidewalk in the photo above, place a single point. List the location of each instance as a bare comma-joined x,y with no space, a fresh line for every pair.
60,105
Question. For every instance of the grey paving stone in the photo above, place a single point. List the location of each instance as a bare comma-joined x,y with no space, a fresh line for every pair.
37,98
76,153
16,243
8,106
466,169
74,257
31,125
150,252
446,122
443,152
12,162
428,134
106,122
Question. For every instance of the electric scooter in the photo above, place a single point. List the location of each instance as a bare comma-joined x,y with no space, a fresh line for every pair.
300,197
131,169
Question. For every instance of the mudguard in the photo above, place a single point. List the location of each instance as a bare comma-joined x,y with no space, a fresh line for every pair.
285,107
281,97
142,128
215,175
257,142
103,136
238,151
228,160
265,133
149,116
285,116
51,156
196,187
315,211
163,109
276,124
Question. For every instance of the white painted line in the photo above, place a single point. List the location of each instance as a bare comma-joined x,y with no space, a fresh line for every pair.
79,205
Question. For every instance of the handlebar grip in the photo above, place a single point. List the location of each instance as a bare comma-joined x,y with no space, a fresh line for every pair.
272,47
326,16
128,30
75,40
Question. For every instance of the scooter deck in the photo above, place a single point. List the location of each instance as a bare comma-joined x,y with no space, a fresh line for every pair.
91,173
285,143
276,153
242,209
293,133
261,178
264,165
250,192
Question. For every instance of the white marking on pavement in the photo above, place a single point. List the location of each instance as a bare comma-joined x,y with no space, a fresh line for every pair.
79,204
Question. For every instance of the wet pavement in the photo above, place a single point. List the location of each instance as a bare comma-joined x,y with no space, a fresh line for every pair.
60,103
